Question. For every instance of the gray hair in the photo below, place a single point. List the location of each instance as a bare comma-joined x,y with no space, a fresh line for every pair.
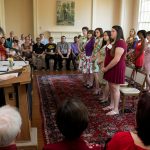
10,124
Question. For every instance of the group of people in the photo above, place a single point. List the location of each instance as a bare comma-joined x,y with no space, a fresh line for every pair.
103,58
72,119
40,53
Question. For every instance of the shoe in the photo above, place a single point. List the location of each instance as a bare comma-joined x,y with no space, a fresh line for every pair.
103,101
97,92
89,86
60,69
85,84
108,108
112,113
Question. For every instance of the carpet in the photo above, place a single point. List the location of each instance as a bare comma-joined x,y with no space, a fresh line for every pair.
53,89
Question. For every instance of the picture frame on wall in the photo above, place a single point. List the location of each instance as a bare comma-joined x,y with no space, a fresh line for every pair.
65,14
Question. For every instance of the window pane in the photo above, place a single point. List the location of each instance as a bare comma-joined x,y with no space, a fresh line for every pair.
144,15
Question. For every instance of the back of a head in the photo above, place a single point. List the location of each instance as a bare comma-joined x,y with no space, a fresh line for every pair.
10,124
72,118
143,119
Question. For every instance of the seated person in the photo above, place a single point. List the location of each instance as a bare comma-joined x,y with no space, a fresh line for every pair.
38,55
64,51
9,41
72,119
139,139
75,52
15,50
10,127
50,51
2,49
43,39
26,50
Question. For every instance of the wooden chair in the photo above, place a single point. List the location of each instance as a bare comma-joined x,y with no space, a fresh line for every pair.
129,74
131,91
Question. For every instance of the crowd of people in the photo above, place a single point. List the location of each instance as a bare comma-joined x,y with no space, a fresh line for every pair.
102,58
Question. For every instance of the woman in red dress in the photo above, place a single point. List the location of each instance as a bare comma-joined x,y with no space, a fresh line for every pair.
139,140
2,49
139,49
114,68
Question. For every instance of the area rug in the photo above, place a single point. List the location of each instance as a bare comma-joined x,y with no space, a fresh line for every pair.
54,89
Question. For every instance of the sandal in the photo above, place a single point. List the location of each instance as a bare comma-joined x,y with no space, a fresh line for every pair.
97,92
108,108
111,113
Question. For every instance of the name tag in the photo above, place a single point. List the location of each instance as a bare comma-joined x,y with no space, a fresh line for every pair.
109,46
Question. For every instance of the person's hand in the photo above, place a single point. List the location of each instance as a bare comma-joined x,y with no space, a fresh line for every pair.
104,70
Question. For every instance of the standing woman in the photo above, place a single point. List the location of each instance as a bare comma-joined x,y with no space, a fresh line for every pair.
131,43
147,61
114,68
131,40
97,47
82,41
87,64
139,50
106,43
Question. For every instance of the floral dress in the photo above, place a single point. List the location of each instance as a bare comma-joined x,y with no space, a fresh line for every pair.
97,46
147,57
82,57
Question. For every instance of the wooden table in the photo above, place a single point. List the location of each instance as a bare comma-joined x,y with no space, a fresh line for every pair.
16,94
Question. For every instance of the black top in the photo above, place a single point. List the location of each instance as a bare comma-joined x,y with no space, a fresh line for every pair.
38,49
50,47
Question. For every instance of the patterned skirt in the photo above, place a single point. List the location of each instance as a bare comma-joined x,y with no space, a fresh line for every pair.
87,65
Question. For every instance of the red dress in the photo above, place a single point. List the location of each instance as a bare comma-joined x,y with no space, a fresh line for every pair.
78,144
122,141
140,60
2,52
117,73
11,147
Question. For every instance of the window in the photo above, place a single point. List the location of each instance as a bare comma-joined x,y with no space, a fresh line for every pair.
144,15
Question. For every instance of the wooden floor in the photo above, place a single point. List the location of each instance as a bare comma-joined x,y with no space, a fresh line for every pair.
36,114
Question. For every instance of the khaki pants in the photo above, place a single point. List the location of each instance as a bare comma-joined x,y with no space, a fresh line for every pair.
38,62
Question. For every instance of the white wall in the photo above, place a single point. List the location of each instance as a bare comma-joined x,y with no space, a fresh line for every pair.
36,16
107,13
47,16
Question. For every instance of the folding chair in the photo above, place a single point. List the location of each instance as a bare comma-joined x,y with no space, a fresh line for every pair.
129,74
131,91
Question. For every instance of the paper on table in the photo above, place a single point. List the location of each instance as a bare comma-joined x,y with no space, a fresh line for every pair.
3,68
8,76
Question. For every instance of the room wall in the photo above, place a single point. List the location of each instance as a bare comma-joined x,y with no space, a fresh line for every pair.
19,16
107,13
47,16
127,16
24,17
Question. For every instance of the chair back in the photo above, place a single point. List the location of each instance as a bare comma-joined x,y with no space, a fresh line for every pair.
140,78
128,72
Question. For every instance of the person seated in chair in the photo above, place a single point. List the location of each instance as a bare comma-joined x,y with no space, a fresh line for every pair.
50,51
139,139
75,52
10,127
38,55
72,119
64,52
